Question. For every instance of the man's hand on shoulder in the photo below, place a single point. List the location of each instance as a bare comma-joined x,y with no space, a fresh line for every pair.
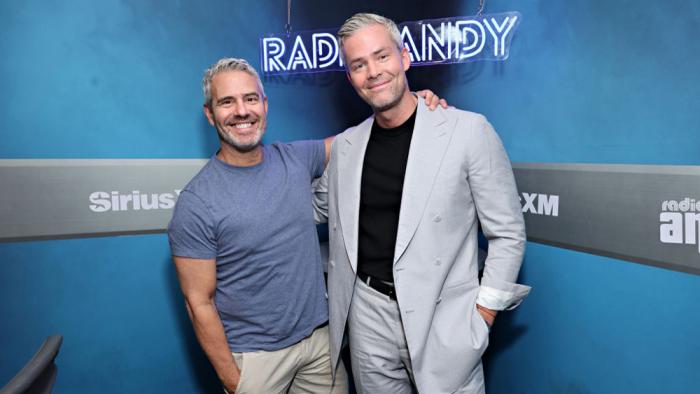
431,99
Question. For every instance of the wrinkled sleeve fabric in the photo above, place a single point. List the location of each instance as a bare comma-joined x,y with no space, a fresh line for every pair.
313,154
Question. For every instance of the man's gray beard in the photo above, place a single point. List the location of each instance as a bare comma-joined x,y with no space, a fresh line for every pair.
386,107
391,104
225,138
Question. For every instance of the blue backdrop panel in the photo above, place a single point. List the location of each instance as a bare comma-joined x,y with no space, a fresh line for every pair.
586,81
116,301
597,325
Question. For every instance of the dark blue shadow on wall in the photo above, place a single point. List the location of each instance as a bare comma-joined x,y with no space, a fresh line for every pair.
505,333
442,77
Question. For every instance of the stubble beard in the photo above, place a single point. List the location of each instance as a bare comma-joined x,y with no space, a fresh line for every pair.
381,105
240,146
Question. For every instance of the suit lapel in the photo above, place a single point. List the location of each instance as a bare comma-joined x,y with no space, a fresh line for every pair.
351,156
431,136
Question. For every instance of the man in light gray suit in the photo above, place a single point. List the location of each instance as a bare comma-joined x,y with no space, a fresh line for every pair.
403,194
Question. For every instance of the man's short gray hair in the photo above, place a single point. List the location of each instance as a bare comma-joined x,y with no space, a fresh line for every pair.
227,64
361,20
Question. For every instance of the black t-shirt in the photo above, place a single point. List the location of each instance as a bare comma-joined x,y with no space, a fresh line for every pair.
380,197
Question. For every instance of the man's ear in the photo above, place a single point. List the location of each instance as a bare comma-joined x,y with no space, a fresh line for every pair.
210,115
405,58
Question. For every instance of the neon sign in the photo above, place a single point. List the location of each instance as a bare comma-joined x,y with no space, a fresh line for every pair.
434,41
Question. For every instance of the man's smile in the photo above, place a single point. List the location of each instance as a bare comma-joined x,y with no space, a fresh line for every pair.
243,125
378,85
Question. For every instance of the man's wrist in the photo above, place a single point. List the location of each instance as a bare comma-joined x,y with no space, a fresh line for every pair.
489,315
488,311
231,387
231,382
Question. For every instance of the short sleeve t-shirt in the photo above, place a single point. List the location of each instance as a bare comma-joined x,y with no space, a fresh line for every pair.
257,223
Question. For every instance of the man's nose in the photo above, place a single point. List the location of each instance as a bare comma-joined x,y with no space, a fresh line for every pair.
372,70
240,109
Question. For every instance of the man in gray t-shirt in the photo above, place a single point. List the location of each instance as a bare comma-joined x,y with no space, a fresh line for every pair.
257,223
246,250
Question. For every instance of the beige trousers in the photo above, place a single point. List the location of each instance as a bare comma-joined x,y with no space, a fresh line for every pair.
304,367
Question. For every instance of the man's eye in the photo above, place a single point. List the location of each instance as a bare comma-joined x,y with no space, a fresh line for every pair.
383,57
225,102
252,100
357,67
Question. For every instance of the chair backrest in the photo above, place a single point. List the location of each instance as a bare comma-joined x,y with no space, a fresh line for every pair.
39,374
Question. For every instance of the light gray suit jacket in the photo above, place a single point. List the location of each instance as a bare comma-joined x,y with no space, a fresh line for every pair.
457,175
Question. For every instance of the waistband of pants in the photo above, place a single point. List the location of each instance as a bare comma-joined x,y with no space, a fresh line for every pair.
324,324
379,285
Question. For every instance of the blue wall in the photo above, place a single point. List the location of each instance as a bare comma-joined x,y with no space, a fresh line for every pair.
587,81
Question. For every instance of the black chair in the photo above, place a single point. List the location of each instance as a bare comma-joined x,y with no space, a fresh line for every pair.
38,376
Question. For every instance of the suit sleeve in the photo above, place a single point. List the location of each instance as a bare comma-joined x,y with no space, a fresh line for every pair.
495,196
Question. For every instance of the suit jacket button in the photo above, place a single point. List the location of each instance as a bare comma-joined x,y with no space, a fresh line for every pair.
437,218
332,263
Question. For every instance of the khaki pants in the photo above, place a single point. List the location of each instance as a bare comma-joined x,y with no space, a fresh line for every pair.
304,367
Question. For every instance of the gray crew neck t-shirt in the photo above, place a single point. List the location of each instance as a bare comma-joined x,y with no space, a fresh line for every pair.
257,222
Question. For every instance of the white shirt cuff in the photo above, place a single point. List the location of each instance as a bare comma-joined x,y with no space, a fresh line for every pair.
496,299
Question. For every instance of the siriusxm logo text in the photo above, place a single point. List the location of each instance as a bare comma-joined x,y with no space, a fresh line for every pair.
540,204
680,222
134,201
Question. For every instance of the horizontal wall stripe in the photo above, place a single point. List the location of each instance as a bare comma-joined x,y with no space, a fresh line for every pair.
639,213
614,210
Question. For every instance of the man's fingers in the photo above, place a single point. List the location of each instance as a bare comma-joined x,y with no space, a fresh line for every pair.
431,99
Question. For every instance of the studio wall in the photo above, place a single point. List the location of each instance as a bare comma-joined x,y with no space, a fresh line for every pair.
586,82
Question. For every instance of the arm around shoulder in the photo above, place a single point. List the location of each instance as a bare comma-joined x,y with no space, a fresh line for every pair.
320,186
